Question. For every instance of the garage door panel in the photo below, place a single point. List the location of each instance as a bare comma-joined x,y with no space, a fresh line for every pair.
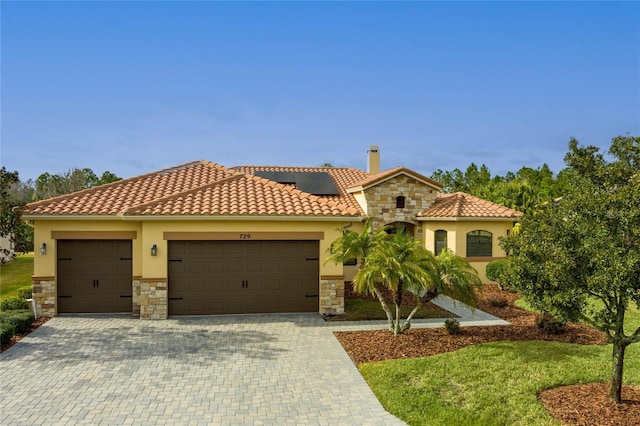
94,276
244,277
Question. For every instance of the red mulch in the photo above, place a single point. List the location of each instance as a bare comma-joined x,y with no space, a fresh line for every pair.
574,405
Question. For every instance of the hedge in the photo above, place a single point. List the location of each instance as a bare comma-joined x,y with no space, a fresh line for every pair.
20,320
13,304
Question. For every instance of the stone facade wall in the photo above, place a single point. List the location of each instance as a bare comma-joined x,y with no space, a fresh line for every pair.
381,201
136,297
332,295
154,300
44,294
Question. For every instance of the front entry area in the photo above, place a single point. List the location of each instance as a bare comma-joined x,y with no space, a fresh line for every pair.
94,276
236,277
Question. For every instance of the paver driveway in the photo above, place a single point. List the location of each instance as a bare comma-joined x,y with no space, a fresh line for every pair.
253,369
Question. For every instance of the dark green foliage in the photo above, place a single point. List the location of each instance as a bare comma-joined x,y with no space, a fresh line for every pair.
522,191
550,325
453,326
496,271
14,304
25,292
20,320
578,257
7,331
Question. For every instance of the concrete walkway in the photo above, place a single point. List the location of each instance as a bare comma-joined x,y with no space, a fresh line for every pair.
215,370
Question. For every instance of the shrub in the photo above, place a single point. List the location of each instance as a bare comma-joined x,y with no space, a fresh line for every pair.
453,326
13,304
20,320
550,325
496,271
25,292
498,301
6,333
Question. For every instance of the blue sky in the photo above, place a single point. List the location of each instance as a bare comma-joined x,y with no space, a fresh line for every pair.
133,87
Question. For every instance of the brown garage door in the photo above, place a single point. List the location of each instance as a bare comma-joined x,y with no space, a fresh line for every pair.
94,276
230,277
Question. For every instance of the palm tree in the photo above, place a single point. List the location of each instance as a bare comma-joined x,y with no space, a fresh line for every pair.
399,263
402,265
457,278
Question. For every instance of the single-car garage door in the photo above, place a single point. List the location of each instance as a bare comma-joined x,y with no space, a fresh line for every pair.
230,277
94,276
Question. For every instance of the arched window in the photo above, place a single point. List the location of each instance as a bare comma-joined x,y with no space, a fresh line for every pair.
479,243
400,202
441,241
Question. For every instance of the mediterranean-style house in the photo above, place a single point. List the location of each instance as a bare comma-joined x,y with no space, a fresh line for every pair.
200,238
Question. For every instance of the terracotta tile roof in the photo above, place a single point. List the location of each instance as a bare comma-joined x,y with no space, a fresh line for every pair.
344,177
462,205
244,195
371,180
196,188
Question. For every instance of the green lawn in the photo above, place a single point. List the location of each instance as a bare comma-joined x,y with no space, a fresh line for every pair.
489,384
361,310
493,383
15,275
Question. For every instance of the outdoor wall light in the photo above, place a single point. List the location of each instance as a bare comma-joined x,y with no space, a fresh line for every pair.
154,250
43,249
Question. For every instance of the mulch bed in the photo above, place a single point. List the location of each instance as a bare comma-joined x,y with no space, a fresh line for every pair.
573,405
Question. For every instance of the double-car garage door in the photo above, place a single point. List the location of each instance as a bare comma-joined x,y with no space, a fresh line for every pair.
228,277
205,277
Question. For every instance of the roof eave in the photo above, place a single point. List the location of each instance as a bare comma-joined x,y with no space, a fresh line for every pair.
466,219
288,218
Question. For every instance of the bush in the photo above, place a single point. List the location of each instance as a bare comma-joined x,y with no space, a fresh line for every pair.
6,333
550,325
25,292
496,271
498,301
21,321
14,304
453,326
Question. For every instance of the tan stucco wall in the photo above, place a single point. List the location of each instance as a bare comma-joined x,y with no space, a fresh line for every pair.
457,239
45,265
151,232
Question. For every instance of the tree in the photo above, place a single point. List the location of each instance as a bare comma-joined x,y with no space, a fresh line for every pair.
10,224
578,258
396,262
48,185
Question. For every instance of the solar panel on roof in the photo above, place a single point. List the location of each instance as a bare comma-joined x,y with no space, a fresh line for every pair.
316,183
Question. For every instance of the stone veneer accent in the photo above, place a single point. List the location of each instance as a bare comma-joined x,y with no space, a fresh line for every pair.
136,296
332,295
154,301
44,294
381,201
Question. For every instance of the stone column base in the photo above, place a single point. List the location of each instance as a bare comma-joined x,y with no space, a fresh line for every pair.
154,300
332,295
44,294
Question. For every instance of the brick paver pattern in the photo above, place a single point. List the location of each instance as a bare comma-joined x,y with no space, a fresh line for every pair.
214,370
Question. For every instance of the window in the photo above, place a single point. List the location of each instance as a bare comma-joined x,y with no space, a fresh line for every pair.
350,262
400,202
479,244
441,241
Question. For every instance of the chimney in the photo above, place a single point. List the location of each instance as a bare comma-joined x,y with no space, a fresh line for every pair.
373,160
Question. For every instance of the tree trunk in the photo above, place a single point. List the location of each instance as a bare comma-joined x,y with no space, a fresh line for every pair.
615,390
396,324
385,307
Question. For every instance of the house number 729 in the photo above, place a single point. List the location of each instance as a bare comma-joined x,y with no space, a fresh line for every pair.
245,236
